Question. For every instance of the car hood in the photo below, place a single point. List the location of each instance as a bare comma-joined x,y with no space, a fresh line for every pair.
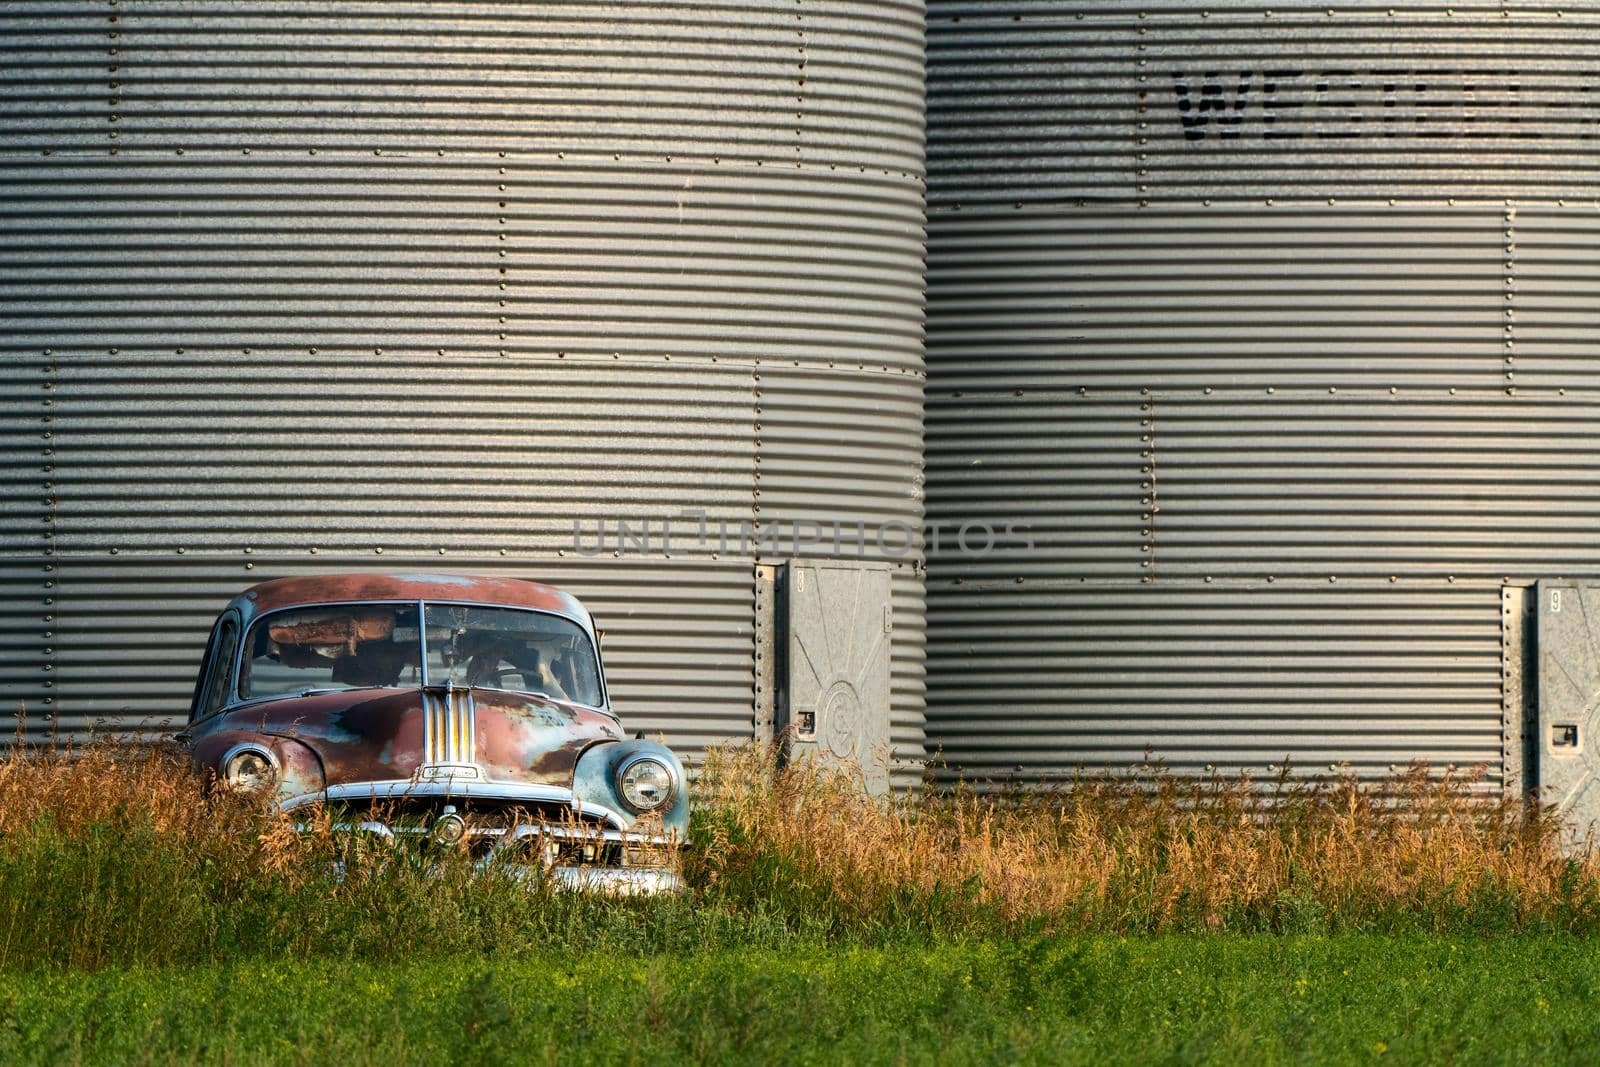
386,734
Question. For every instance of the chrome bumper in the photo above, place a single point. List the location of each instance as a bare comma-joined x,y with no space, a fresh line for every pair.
407,789
607,880
618,881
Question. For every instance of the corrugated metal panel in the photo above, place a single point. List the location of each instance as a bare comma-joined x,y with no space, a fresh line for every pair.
445,279
1019,109
1554,283
1045,680
1249,312
908,687
57,80
26,401
748,80
26,542
338,453
1219,294
27,639
780,265
1465,486
239,257
842,451
1376,101
451,257
1035,486
1055,102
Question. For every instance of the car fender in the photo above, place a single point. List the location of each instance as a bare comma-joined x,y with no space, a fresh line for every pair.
594,781
300,769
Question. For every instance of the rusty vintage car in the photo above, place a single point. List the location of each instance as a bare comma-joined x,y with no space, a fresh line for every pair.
444,712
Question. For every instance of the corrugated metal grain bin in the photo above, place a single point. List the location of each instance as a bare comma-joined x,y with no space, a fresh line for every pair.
298,287
1274,331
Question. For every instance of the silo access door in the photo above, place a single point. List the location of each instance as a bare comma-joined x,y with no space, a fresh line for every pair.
1569,692
836,626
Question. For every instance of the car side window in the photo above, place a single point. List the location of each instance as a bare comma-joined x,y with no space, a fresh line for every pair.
219,669
202,680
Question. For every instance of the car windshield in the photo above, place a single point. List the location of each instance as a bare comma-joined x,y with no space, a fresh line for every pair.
378,645
344,647
504,648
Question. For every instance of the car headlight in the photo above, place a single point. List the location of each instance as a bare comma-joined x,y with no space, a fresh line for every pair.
250,770
646,783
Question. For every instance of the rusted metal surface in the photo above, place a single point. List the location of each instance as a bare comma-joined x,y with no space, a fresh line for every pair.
364,736
349,588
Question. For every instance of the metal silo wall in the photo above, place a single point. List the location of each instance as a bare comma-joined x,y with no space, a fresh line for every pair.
299,287
1277,331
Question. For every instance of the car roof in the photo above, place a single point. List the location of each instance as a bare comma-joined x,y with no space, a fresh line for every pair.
344,588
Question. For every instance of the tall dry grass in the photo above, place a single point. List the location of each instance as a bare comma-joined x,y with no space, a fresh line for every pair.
1149,851
113,855
78,788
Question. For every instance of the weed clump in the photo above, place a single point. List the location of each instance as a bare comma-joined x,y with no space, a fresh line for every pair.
1145,851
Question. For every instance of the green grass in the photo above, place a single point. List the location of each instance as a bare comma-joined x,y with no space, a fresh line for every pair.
1181,999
